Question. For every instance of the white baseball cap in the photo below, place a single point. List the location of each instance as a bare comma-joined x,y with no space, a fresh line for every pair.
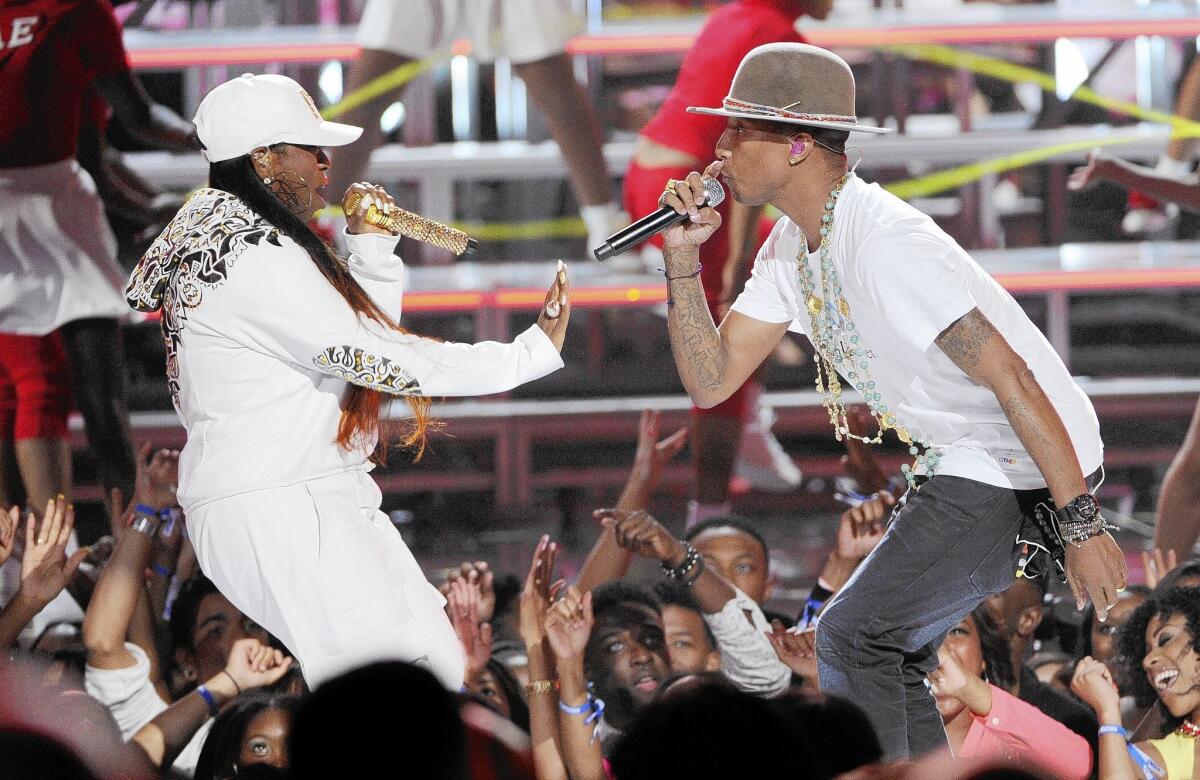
250,111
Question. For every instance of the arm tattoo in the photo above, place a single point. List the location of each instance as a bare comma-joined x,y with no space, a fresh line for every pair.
963,341
695,341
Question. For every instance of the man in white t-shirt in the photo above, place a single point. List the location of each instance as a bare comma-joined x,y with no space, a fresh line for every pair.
941,355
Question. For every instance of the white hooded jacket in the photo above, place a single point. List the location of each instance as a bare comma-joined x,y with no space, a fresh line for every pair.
260,347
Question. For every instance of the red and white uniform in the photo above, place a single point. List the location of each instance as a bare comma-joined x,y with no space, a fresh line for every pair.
57,253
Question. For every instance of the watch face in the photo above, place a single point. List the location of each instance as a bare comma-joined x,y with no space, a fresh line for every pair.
1086,506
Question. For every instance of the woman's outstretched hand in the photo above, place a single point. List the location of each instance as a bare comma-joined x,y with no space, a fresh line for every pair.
556,308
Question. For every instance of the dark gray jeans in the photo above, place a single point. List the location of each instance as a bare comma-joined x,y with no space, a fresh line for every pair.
950,544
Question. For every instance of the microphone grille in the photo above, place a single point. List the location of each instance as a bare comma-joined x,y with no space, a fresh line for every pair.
716,193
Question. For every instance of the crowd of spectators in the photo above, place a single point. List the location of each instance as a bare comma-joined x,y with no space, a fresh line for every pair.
597,677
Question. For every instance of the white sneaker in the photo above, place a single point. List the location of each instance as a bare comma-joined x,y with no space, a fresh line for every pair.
761,459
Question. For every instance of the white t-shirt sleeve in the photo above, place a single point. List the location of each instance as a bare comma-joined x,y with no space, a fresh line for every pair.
185,762
917,282
374,265
278,302
127,692
764,297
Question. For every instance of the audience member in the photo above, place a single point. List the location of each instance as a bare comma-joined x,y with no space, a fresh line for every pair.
982,719
1160,651
252,730
1018,613
691,645
736,620
716,731
362,723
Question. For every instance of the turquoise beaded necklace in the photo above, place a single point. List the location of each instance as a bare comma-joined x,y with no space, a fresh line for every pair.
841,350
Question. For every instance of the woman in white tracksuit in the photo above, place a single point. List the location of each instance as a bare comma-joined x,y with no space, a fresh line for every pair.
276,354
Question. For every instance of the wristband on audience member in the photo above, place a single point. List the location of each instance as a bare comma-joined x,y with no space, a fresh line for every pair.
161,570
1120,731
593,708
214,709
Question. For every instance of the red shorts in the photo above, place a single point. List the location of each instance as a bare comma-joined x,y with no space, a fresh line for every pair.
643,187
35,396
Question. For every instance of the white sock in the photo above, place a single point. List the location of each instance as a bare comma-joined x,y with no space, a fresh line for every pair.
1172,166
698,512
601,221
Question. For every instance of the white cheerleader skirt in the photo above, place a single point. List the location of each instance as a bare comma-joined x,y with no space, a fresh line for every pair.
57,252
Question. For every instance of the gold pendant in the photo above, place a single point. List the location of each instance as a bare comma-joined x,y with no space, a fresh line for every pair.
814,304
843,307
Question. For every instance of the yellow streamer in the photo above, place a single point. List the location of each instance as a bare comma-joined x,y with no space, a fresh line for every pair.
951,178
397,77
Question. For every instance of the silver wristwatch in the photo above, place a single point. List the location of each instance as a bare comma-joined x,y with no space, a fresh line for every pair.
1080,520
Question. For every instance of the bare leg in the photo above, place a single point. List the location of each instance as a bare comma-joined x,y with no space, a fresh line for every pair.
1178,523
1187,105
573,125
45,466
350,162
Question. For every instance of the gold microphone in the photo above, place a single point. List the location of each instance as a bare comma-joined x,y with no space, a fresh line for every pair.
406,223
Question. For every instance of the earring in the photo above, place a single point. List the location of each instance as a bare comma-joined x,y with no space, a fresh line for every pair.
266,180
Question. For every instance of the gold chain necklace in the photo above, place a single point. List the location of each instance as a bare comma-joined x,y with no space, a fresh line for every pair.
839,347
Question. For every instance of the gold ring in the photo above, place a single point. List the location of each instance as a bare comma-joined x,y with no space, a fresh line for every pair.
41,541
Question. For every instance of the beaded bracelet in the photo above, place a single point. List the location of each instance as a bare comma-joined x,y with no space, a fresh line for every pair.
690,559
214,709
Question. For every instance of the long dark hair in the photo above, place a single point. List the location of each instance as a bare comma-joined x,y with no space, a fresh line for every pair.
996,651
224,742
361,415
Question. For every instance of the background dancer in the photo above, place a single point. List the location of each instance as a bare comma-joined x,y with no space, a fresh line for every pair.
264,328
941,353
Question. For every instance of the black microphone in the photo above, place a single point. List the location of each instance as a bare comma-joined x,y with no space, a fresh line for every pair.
653,224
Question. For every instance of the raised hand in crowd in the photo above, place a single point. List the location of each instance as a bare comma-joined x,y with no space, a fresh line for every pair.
251,665
537,595
649,460
1093,683
45,567
10,520
480,574
1156,566
542,691
949,679
464,605
568,626
157,477
608,560
797,648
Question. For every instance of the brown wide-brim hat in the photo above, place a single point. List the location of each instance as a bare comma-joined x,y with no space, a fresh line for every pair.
793,83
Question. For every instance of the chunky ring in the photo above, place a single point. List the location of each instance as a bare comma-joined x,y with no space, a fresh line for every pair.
553,309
